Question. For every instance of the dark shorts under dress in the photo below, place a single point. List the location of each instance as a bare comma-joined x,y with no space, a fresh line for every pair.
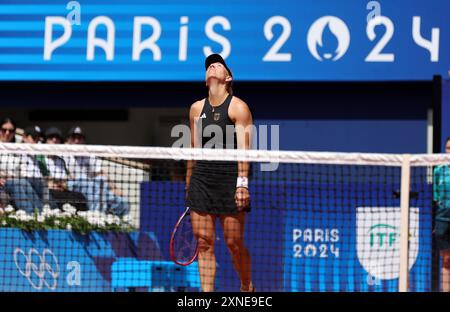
442,234
212,188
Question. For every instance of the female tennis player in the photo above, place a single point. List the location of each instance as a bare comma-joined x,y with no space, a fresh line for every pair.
217,189
441,196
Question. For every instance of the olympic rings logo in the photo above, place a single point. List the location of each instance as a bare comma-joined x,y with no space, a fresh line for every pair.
42,270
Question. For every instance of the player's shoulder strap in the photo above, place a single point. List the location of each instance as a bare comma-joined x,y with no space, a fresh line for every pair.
205,102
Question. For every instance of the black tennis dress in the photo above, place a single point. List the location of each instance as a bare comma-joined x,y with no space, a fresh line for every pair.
213,183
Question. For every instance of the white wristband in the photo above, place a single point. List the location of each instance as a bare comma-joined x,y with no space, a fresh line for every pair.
242,182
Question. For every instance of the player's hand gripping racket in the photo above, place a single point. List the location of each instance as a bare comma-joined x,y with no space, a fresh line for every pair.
183,244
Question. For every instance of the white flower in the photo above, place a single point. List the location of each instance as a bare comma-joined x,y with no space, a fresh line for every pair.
46,211
110,219
101,222
96,218
9,209
89,215
20,213
66,214
41,219
69,227
91,220
4,223
25,218
56,212
57,222
126,219
82,214
69,209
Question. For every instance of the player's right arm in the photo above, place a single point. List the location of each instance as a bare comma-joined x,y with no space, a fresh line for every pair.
194,113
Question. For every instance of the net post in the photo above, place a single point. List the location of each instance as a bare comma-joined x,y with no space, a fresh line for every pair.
404,223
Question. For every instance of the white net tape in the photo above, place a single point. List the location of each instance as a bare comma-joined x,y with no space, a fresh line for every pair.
264,156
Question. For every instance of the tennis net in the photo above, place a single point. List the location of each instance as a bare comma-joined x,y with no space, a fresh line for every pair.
100,218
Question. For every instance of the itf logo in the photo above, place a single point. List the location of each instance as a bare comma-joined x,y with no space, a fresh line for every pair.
39,269
332,26
378,243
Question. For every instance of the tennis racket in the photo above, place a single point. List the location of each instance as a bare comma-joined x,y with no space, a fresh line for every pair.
183,244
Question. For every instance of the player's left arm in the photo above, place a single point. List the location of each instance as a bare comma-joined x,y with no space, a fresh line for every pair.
241,116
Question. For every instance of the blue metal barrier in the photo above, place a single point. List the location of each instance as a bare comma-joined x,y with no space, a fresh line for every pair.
130,273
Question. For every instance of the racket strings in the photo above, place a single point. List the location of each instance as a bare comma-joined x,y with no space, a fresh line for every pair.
185,243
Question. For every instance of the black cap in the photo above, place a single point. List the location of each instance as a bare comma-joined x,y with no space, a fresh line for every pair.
216,58
53,131
77,130
33,131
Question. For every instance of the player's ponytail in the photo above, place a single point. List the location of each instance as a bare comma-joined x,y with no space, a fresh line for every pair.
229,88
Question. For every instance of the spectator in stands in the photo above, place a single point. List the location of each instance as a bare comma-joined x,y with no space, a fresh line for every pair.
8,163
55,170
53,136
8,131
32,135
90,180
53,167
24,185
441,198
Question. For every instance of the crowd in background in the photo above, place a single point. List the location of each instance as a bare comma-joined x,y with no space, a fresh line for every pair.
29,182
